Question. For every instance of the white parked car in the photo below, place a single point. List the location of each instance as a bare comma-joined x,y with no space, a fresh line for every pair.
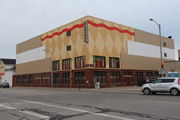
165,84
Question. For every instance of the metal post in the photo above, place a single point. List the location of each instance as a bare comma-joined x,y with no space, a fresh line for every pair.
51,71
159,26
160,42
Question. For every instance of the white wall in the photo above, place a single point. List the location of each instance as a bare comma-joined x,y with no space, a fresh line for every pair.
31,55
8,74
146,50
8,77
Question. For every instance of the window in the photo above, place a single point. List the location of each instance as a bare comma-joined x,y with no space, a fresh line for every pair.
168,80
79,77
56,65
37,79
24,80
149,75
69,48
80,62
113,62
158,81
66,78
18,80
128,74
46,78
165,54
157,75
56,79
131,79
99,61
66,63
100,77
68,33
31,79
164,44
125,80
139,76
115,77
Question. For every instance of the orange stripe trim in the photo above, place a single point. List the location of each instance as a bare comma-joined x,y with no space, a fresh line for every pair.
82,25
2,73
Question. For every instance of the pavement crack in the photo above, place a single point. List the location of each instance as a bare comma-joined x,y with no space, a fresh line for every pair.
128,113
20,117
53,115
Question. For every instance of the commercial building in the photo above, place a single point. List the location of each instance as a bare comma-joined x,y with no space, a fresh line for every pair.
90,50
7,70
172,68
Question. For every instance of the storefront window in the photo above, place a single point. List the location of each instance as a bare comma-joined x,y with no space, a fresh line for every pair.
18,80
66,63
66,78
79,77
113,62
99,61
31,79
80,62
56,65
115,77
56,79
24,80
100,76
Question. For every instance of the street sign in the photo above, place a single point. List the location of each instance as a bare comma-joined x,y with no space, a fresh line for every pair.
161,71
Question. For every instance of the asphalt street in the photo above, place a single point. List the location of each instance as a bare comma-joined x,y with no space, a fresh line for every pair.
123,103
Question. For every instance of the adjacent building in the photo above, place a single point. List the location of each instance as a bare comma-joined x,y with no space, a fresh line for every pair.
7,70
87,51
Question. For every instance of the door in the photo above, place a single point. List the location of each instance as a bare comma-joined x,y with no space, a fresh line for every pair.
166,83
157,85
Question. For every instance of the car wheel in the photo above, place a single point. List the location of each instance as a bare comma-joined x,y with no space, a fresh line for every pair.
146,91
174,91
153,93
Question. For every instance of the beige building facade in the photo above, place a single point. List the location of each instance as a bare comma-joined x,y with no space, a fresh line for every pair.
92,50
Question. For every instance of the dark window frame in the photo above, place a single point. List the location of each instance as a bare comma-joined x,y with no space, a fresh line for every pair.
99,61
56,65
31,78
66,64
68,33
116,64
24,79
56,79
66,79
115,77
80,78
18,80
80,62
100,76
164,44
68,48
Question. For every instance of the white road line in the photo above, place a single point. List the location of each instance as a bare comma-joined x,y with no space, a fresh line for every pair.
72,109
26,112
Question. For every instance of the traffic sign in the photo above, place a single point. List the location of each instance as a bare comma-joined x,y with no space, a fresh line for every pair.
161,71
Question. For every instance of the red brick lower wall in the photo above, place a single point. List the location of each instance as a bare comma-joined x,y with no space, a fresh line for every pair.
88,81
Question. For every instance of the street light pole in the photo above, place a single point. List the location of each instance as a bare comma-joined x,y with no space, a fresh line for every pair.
51,67
159,26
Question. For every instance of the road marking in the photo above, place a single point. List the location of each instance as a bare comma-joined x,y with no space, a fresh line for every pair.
26,112
72,109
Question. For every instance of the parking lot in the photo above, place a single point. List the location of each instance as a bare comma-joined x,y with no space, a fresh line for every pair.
123,103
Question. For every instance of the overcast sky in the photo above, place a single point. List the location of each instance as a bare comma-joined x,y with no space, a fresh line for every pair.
21,20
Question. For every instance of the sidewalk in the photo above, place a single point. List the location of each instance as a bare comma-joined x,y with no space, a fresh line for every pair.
110,89
124,88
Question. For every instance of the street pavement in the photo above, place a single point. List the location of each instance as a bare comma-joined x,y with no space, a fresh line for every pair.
121,103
